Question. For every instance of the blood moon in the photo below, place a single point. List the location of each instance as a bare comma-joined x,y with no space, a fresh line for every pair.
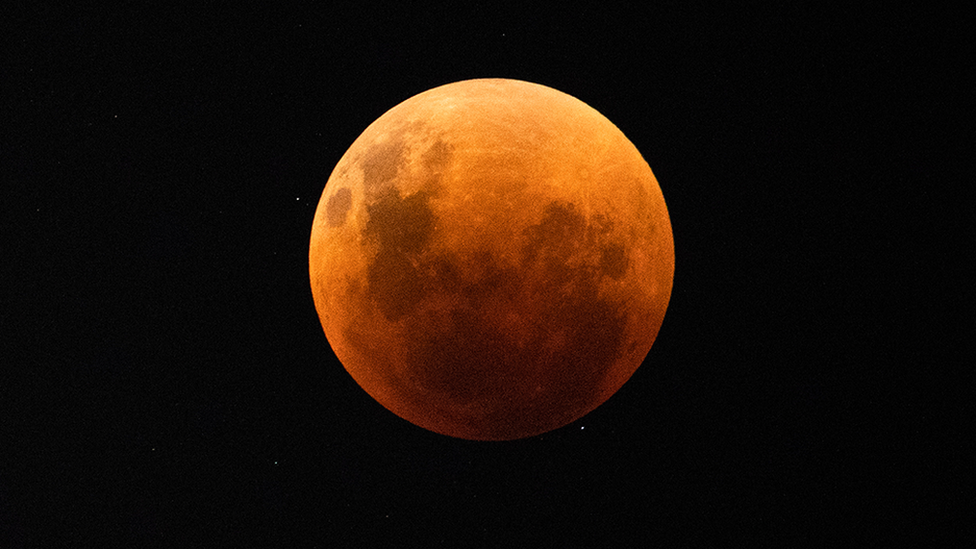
491,259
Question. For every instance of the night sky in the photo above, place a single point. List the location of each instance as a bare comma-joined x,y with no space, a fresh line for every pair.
166,381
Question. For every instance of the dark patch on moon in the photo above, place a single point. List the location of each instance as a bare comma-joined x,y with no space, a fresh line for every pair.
437,157
435,160
554,240
382,162
564,233
401,228
613,261
394,284
400,224
338,206
490,281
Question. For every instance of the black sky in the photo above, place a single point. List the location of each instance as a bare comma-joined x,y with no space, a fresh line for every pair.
169,385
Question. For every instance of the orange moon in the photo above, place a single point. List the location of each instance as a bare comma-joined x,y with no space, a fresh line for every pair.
491,259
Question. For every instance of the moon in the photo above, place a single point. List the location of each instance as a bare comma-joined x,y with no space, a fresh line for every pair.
491,259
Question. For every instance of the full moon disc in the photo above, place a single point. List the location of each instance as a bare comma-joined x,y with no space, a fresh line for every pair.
491,259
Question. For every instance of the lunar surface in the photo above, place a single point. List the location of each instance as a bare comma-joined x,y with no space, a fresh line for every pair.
491,259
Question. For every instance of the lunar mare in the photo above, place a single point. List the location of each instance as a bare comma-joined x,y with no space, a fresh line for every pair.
491,259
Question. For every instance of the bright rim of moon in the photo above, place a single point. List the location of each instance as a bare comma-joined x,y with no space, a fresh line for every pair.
491,259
